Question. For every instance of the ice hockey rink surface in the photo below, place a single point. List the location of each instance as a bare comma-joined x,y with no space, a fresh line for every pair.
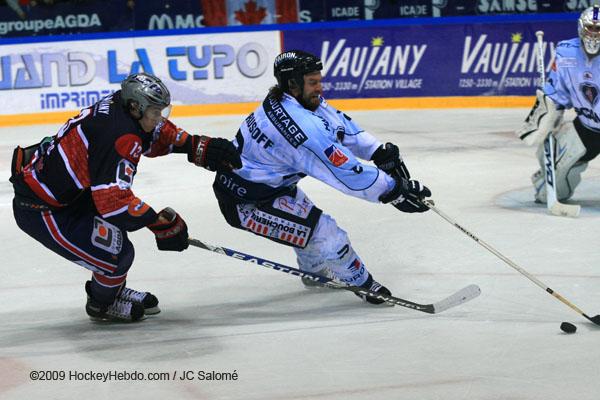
220,315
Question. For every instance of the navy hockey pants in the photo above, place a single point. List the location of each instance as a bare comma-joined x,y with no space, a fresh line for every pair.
78,234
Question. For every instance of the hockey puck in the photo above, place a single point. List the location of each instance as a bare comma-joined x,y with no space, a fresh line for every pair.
567,327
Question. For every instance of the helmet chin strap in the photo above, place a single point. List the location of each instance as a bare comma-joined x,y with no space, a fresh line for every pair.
134,110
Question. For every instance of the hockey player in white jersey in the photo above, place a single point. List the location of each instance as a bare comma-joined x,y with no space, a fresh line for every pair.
573,82
295,133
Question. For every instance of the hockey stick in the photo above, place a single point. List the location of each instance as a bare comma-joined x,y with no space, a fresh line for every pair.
462,296
431,205
554,206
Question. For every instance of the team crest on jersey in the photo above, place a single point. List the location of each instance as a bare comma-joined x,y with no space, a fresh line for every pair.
590,92
588,76
125,173
335,155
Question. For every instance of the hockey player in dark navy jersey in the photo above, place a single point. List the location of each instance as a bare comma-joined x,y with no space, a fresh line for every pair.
73,190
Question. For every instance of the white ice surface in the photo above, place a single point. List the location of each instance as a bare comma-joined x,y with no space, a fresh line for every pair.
286,342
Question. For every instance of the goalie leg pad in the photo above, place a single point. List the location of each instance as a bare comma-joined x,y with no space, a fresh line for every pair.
569,150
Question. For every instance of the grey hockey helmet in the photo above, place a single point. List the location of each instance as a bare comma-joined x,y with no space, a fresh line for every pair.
293,65
145,90
589,30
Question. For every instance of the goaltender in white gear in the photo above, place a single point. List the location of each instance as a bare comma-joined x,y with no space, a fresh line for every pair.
573,82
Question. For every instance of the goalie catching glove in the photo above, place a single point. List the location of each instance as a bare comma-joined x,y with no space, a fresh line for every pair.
214,154
170,231
406,196
387,158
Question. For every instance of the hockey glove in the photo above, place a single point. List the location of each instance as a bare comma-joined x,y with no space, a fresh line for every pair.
214,154
406,196
170,231
387,158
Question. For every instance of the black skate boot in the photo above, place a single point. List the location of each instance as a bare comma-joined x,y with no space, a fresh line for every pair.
146,299
119,310
373,286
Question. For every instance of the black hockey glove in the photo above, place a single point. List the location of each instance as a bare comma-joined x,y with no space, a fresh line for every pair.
214,154
406,196
170,231
387,158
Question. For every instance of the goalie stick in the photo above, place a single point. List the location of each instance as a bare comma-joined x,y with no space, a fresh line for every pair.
554,206
431,205
462,296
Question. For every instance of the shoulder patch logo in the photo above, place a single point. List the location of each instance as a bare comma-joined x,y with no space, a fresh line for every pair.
335,155
125,173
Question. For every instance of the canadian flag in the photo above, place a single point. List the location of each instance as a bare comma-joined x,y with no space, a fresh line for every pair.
249,12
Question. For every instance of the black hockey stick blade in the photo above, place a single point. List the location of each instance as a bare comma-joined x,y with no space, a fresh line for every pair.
455,299
595,319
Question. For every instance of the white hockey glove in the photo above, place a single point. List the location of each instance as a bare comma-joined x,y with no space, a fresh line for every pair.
542,119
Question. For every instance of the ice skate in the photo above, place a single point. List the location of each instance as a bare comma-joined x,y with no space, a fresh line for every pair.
374,286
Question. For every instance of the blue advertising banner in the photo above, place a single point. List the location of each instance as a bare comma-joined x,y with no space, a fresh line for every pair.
494,59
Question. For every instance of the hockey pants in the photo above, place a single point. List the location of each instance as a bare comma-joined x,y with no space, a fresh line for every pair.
321,246
79,235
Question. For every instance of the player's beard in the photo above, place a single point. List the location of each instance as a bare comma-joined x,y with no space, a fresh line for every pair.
309,102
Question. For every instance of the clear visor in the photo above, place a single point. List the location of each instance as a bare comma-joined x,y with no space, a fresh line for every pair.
166,112
157,113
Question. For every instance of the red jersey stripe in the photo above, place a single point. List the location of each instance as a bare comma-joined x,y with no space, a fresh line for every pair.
71,248
39,188
109,281
75,157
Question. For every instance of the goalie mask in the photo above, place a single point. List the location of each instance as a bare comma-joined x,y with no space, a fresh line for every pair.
293,65
589,30
142,90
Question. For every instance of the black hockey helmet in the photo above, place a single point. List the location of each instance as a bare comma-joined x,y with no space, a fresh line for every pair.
145,90
293,65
